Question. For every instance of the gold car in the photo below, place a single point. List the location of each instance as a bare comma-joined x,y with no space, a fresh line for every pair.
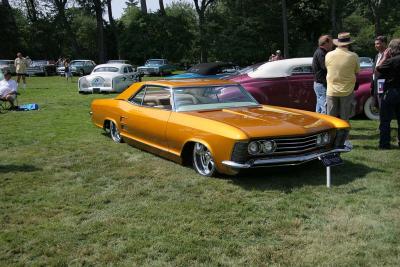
216,125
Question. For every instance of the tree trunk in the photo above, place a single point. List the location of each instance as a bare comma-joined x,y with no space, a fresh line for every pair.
114,29
333,18
162,9
100,33
6,3
201,12
143,6
375,6
285,30
60,6
31,9
203,48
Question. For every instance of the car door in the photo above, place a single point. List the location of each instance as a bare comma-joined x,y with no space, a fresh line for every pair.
301,88
146,115
130,76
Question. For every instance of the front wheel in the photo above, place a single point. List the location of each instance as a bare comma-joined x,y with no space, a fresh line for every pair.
114,133
370,109
203,161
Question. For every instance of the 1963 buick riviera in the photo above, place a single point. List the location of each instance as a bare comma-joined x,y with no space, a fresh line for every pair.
216,125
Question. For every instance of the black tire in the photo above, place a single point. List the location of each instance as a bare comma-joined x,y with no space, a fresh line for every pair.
203,161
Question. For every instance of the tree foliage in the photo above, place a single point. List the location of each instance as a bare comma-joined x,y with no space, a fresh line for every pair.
240,31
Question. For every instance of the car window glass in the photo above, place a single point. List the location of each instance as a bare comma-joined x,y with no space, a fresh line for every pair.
125,70
130,69
157,97
301,70
138,98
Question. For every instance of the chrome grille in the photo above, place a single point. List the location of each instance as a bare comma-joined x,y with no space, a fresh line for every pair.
294,145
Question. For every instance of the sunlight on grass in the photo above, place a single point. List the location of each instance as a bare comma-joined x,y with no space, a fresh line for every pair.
70,196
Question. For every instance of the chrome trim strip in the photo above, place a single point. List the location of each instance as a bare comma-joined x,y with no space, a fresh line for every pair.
292,160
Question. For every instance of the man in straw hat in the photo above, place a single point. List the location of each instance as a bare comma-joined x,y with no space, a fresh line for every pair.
342,66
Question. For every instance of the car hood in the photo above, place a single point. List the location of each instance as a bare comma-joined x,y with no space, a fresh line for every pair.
270,121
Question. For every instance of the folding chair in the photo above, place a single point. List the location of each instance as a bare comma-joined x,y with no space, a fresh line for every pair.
5,105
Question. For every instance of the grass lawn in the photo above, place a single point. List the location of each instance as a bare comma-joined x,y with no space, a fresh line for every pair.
70,196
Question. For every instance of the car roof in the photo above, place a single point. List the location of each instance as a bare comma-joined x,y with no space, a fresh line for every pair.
279,68
208,68
116,65
190,82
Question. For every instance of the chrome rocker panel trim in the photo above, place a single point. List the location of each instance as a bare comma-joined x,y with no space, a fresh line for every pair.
290,160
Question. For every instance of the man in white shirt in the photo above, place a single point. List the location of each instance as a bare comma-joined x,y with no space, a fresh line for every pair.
8,89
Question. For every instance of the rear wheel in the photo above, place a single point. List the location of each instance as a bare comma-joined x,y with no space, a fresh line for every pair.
370,109
203,161
114,133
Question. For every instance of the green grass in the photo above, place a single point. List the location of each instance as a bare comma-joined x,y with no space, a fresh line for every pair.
70,196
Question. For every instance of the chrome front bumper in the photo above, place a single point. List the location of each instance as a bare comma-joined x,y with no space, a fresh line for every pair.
279,161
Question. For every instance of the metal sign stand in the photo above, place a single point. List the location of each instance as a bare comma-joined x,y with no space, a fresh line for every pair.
329,161
328,176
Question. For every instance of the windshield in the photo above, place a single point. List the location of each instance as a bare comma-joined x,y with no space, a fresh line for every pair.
6,62
106,69
155,62
212,97
77,63
39,63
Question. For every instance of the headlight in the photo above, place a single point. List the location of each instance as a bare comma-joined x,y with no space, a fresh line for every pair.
323,139
83,83
107,83
254,148
326,138
268,146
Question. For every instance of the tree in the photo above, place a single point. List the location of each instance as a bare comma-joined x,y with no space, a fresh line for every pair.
376,9
98,8
143,6
285,30
162,9
201,12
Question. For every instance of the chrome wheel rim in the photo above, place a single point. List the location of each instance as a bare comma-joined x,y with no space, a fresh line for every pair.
203,160
115,135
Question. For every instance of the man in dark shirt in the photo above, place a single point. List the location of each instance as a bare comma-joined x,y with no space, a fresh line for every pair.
324,46
380,46
389,69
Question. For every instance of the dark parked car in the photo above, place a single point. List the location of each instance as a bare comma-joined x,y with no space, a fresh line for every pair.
156,67
289,83
42,67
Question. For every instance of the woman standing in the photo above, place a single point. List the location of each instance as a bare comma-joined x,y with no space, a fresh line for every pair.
389,68
67,68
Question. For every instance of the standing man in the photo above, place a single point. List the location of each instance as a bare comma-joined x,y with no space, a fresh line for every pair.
389,69
21,65
380,46
342,66
318,64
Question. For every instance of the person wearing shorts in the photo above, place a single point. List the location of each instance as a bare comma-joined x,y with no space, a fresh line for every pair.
21,64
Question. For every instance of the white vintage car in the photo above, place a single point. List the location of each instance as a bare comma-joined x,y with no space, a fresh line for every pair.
105,78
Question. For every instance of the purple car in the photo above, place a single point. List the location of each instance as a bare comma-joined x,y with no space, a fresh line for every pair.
289,83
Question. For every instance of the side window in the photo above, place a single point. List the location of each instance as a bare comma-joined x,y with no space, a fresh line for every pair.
301,70
138,98
130,69
125,70
157,97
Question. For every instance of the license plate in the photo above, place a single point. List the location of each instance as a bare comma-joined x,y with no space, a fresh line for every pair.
333,159
96,90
